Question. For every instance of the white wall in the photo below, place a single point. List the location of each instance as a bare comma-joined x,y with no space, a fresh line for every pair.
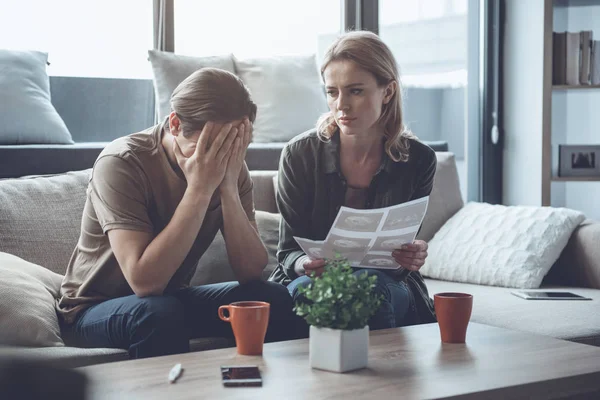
523,80
576,117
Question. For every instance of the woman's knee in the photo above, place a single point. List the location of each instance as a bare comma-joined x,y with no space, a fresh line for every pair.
381,284
381,276
294,286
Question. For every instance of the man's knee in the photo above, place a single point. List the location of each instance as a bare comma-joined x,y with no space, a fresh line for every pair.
159,328
163,312
277,290
266,288
274,293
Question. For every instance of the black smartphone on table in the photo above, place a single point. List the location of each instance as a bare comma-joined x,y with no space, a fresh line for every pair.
241,375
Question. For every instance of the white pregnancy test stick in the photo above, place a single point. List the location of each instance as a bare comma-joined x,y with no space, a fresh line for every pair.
175,373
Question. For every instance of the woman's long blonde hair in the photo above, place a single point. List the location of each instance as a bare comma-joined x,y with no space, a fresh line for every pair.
211,94
369,52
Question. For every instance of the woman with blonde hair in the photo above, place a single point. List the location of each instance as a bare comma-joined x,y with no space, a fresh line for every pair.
361,156
155,201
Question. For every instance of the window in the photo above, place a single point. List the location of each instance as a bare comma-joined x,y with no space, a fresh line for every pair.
428,37
255,28
91,38
429,41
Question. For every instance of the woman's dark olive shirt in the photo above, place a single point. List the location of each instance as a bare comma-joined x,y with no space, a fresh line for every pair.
311,189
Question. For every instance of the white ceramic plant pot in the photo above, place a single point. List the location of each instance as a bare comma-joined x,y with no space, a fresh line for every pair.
338,350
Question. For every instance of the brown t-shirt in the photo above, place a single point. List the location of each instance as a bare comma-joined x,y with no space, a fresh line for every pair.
133,187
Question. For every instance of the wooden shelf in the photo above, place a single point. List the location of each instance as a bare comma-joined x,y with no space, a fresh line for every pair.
575,3
576,179
569,87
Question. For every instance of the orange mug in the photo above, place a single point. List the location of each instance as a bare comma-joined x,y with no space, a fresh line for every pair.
453,311
249,321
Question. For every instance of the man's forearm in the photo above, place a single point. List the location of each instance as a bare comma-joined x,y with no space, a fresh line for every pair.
167,251
246,251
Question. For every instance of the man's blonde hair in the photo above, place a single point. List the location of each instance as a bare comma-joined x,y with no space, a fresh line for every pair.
211,94
369,52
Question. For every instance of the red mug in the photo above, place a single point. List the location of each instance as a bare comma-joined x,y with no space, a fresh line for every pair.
453,311
249,321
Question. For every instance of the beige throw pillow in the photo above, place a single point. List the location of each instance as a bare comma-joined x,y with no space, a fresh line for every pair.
27,298
288,93
169,70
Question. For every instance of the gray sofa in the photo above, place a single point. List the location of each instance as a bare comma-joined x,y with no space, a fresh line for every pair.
40,216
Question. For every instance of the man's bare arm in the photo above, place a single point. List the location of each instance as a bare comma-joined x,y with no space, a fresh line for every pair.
148,264
246,252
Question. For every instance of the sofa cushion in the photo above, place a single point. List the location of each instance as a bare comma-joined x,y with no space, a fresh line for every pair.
579,263
510,246
288,93
66,356
214,266
40,217
26,112
75,357
170,70
445,198
574,320
27,297
264,192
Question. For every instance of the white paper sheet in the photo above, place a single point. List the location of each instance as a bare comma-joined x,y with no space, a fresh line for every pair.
367,237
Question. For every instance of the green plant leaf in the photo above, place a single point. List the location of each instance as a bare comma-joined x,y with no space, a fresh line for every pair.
338,299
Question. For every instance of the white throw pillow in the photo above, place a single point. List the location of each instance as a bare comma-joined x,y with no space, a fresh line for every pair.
169,70
26,112
27,303
496,245
288,93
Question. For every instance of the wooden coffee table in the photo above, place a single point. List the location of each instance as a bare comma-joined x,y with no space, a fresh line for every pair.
406,362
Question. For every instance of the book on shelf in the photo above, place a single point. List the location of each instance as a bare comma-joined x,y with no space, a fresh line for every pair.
559,56
595,57
574,61
586,50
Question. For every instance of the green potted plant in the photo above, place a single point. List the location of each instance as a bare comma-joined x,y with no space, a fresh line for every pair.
337,308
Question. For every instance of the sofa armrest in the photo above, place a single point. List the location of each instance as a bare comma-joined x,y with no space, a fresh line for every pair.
45,159
437,145
579,263
264,193
264,156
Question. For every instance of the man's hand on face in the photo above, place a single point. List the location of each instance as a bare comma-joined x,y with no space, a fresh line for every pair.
236,160
205,169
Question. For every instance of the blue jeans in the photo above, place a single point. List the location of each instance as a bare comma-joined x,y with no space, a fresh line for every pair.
397,307
161,325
